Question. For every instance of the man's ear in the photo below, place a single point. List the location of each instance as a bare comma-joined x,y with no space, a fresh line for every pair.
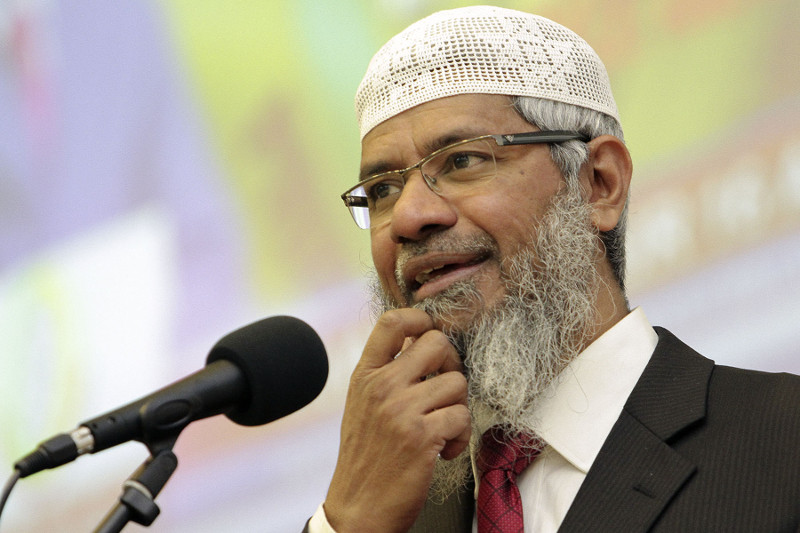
608,177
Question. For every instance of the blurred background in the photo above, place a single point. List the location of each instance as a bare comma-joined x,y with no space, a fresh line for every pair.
170,171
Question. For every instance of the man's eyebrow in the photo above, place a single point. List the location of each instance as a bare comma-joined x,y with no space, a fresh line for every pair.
429,146
377,168
446,139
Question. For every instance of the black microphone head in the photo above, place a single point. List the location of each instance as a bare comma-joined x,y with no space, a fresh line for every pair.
284,363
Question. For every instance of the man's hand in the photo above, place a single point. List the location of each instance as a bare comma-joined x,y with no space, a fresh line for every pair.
395,424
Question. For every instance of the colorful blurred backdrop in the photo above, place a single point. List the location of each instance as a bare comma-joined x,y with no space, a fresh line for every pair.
170,170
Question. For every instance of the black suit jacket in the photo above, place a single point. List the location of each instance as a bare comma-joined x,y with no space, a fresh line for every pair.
698,448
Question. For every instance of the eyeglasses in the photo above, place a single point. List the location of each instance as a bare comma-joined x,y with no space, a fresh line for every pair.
445,171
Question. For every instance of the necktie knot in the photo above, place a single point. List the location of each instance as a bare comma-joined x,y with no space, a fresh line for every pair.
499,452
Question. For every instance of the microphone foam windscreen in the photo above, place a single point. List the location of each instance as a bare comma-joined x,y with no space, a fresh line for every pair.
284,363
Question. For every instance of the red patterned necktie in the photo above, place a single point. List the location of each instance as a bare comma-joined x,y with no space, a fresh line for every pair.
501,460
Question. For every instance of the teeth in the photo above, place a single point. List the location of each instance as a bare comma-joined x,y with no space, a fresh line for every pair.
425,276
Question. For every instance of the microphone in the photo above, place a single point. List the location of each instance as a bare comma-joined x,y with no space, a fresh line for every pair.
254,375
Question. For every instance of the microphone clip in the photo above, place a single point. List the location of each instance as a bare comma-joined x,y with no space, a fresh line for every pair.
136,503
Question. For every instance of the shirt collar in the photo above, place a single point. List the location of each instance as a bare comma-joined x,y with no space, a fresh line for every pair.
590,393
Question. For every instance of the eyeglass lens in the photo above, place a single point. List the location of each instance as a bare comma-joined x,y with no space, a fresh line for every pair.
445,172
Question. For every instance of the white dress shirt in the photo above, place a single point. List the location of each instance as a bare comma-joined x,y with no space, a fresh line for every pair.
575,420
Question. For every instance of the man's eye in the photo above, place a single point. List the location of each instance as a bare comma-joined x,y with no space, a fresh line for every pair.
465,160
384,189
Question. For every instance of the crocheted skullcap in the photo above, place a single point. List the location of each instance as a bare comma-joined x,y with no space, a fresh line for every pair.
481,49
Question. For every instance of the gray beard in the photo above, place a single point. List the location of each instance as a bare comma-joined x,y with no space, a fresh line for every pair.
514,350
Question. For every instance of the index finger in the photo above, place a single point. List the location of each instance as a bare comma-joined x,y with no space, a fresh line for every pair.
431,353
391,330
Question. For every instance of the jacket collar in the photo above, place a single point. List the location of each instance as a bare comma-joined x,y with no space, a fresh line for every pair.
637,472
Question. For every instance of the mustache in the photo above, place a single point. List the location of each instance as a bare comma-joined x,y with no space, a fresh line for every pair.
478,244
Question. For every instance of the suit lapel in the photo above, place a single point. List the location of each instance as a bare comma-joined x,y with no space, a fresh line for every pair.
637,473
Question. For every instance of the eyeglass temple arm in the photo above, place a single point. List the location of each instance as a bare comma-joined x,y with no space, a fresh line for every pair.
554,136
354,201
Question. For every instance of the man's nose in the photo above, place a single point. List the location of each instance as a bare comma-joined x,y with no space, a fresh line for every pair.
419,211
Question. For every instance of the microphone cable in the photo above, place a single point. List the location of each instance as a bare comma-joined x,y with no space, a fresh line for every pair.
7,489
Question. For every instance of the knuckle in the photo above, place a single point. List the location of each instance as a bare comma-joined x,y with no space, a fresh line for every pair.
456,381
458,378
448,424
390,320
462,416
392,413
378,388
373,386
437,339
407,430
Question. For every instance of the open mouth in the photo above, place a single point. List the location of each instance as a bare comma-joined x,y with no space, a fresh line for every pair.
443,271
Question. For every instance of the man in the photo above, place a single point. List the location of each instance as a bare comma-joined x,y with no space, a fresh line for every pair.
494,181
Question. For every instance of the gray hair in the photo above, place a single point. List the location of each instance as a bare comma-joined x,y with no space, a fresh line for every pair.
571,155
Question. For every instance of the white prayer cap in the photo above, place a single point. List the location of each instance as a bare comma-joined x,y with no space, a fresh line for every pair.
481,49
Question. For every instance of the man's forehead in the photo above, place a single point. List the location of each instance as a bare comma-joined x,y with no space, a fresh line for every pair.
460,114
432,125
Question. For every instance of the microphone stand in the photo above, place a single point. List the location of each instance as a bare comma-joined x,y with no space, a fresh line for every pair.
138,492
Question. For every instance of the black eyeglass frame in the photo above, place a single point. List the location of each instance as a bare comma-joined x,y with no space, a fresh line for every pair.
531,137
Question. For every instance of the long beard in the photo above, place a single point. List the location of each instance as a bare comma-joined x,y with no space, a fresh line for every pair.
514,350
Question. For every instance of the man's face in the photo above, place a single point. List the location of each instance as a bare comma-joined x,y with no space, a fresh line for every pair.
432,242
